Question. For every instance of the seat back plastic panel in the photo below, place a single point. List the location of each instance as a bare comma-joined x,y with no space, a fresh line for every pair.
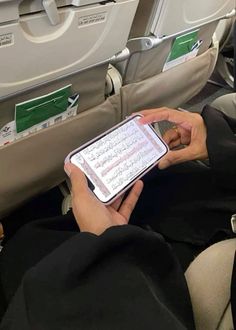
35,51
143,65
35,164
175,16
170,17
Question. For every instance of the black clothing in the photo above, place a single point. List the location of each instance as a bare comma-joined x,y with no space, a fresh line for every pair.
104,282
127,278
195,203
221,145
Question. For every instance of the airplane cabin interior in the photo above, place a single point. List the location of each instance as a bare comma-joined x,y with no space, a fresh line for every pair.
73,69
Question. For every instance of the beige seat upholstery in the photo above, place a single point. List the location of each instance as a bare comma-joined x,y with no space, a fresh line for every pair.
156,26
209,281
226,104
46,45
224,65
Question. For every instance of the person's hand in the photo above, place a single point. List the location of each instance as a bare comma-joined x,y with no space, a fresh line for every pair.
90,214
1,231
189,130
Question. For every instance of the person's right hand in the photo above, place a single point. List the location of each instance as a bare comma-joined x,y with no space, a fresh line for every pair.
189,130
90,214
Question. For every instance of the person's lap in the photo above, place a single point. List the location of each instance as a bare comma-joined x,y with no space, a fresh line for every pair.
32,242
165,199
185,206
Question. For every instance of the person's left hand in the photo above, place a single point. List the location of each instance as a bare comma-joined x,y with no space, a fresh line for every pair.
189,130
90,214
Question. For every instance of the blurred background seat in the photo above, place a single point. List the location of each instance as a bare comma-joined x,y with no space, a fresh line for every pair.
225,62
157,26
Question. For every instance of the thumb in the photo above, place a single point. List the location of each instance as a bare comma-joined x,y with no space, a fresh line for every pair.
77,178
175,157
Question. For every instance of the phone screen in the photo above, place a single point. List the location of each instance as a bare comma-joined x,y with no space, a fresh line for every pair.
116,159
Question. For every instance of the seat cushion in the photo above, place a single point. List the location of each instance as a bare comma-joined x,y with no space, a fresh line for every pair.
209,282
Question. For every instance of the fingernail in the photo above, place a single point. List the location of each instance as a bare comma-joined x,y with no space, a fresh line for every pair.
67,169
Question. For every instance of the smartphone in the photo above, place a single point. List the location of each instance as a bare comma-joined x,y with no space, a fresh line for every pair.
116,159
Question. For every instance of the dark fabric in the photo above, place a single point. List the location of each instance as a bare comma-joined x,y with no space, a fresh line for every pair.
221,145
128,278
184,205
191,202
47,205
33,242
3,302
104,282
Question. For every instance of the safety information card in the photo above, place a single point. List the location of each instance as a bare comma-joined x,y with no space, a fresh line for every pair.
39,113
184,48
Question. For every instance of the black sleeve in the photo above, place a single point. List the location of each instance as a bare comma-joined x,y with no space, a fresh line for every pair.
221,145
126,278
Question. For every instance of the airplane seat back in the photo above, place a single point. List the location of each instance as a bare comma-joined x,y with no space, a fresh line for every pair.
148,63
224,33
51,42
45,46
224,65
156,28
